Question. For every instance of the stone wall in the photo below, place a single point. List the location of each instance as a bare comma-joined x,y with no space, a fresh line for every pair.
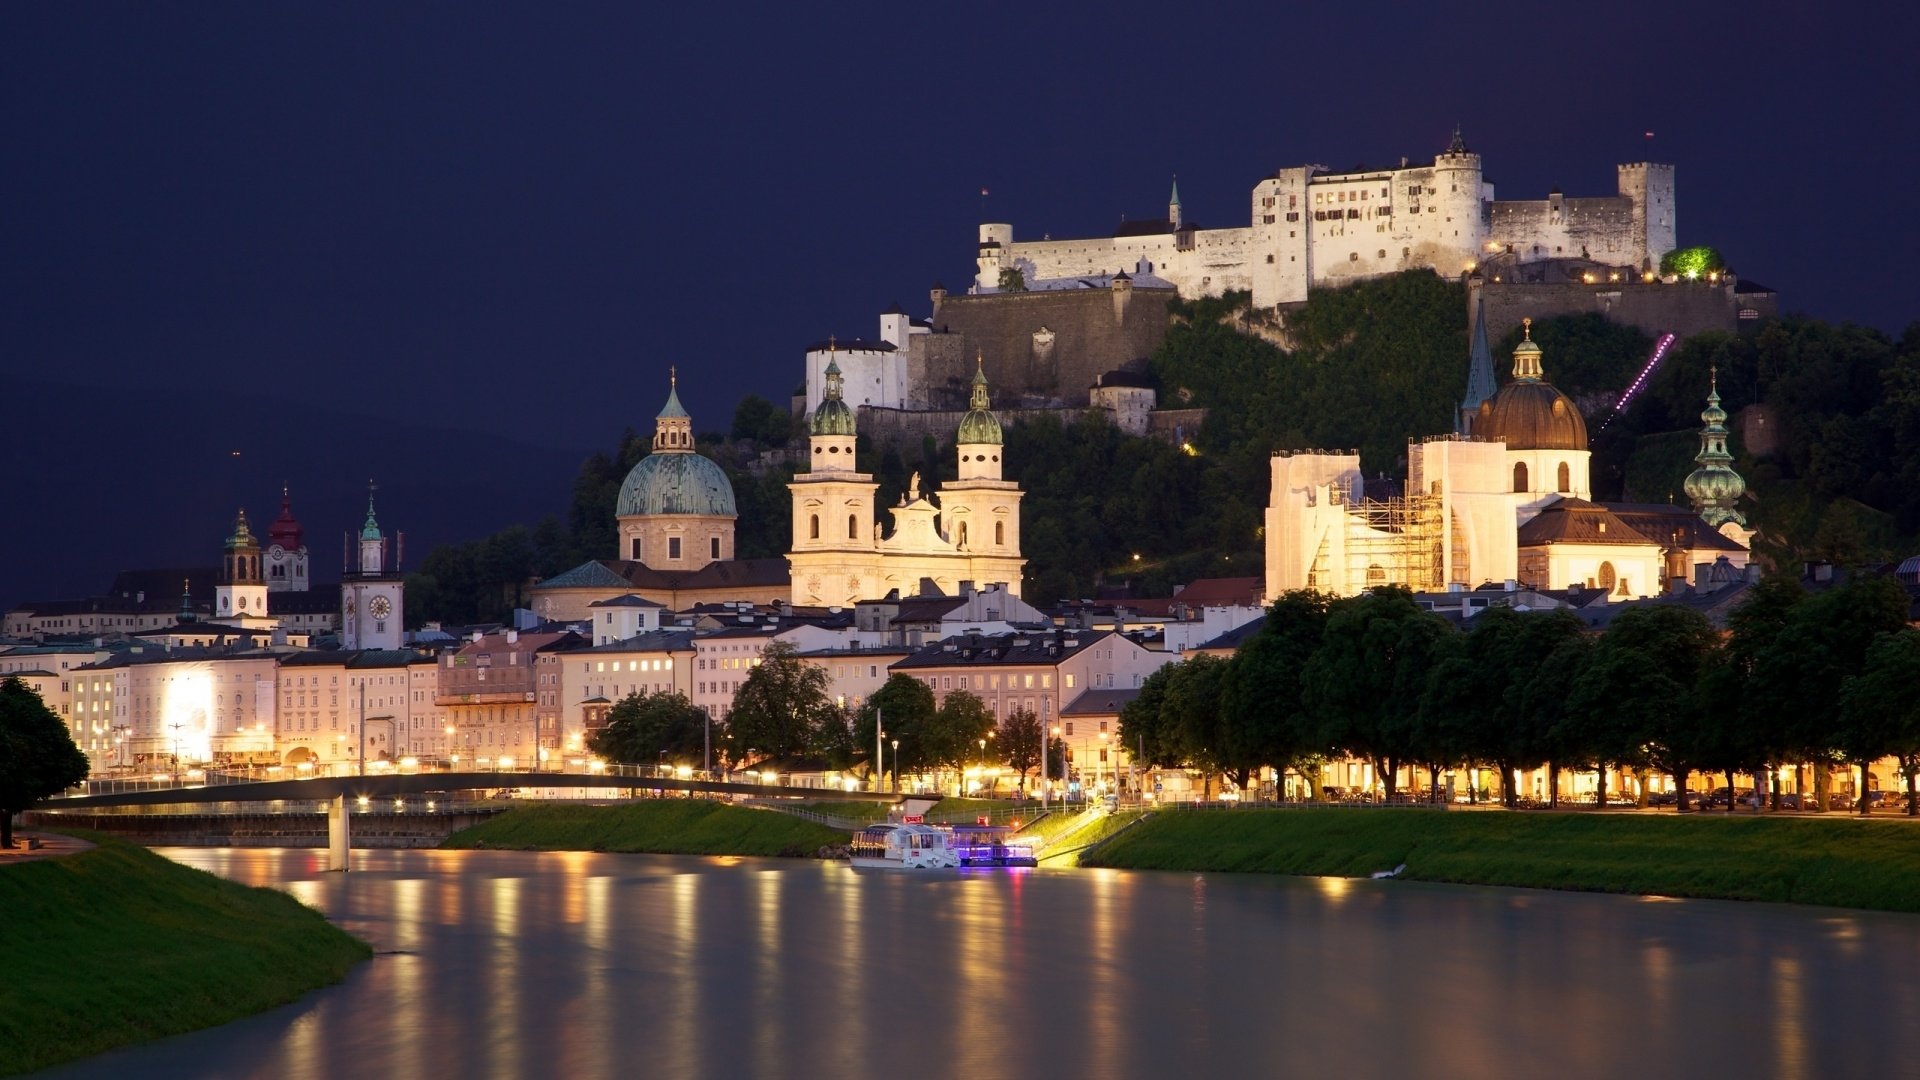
1682,308
903,428
1038,347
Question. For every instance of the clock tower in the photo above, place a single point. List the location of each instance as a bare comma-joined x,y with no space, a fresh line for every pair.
372,596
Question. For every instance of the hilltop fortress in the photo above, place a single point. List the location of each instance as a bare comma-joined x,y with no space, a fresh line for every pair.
1310,227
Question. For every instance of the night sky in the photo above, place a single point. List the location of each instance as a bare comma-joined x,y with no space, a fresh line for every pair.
506,221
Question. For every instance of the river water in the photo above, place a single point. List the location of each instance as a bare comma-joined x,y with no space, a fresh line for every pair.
506,964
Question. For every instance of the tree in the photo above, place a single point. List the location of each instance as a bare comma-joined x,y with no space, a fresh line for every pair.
1261,699
1146,726
759,421
903,709
1021,737
37,756
1882,712
1364,685
1640,694
1013,280
1191,711
958,727
782,709
1752,628
646,729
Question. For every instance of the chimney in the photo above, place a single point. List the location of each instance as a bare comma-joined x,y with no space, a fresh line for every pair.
966,588
513,637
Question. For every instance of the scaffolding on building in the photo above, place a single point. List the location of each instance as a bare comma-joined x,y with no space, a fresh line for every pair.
1393,541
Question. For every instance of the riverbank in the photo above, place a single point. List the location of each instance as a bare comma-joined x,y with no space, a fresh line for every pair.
118,945
653,826
1858,864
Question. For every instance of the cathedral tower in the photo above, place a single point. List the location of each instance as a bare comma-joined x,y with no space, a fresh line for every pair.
981,511
1714,487
287,563
242,592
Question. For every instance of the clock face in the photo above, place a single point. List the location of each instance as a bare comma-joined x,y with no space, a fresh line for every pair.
381,607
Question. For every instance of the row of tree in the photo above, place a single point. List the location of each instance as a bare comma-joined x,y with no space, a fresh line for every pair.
784,713
1805,681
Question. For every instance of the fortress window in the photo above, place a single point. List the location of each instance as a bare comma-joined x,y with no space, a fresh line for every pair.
1353,256
1270,258
1519,476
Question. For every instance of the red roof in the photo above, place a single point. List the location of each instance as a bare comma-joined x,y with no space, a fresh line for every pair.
285,532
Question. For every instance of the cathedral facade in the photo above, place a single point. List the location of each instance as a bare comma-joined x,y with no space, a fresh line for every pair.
971,534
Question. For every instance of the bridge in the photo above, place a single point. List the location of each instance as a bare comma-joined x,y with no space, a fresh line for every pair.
340,792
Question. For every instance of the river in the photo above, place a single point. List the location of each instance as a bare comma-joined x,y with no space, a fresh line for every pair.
507,964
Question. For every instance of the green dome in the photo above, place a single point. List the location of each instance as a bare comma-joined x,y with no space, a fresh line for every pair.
676,483
980,426
833,417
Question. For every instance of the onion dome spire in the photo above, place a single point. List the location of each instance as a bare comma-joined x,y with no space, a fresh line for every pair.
1714,487
370,530
186,600
834,416
242,535
979,426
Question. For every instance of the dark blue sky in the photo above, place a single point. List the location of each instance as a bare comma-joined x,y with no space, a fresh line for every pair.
512,218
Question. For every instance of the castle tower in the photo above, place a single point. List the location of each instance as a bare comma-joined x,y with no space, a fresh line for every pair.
1458,193
980,512
373,597
834,534
1174,215
288,566
1650,188
1714,487
242,591
993,256
675,508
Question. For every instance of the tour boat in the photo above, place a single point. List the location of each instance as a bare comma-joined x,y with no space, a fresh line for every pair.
987,845
892,846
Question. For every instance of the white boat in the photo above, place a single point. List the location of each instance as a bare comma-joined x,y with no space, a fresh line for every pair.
892,846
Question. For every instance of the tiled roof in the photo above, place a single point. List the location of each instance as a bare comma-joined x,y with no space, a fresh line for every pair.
597,574
1577,521
1235,637
1101,702
982,650
629,600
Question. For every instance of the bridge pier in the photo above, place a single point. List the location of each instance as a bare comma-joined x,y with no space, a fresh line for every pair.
339,834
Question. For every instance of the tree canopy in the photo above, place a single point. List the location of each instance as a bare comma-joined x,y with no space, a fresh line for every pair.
37,756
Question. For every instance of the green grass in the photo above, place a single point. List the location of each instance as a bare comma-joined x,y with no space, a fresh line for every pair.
660,826
1840,863
946,810
117,945
1071,843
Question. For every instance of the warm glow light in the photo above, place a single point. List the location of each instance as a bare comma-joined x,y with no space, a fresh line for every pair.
683,771
409,763
596,765
506,762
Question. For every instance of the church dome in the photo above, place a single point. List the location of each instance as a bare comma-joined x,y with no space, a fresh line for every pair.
979,426
1529,413
669,483
834,416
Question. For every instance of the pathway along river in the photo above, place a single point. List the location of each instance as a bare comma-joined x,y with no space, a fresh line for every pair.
507,964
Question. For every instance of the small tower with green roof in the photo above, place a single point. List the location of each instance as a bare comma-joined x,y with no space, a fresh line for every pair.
1714,487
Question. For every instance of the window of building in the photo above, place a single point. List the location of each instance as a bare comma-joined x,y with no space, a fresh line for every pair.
1566,479
813,526
635,550
853,527
714,547
1069,727
673,547
1520,476
999,532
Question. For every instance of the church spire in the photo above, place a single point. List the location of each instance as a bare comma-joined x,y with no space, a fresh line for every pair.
1714,487
1482,383
1175,215
1526,355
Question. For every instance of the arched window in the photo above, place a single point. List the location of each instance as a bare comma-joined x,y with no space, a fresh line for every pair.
813,525
1519,476
853,526
1000,533
1566,479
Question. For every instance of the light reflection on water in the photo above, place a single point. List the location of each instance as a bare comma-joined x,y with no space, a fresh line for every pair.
503,964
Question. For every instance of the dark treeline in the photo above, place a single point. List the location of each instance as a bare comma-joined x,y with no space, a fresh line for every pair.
1361,367
1801,681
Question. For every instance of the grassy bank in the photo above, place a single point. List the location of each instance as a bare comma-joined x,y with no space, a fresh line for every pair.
1841,863
118,945
660,826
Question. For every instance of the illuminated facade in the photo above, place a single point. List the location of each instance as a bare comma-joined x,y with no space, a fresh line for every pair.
373,600
970,534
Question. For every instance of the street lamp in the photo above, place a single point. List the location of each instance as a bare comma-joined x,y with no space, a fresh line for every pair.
896,766
1103,753
176,726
